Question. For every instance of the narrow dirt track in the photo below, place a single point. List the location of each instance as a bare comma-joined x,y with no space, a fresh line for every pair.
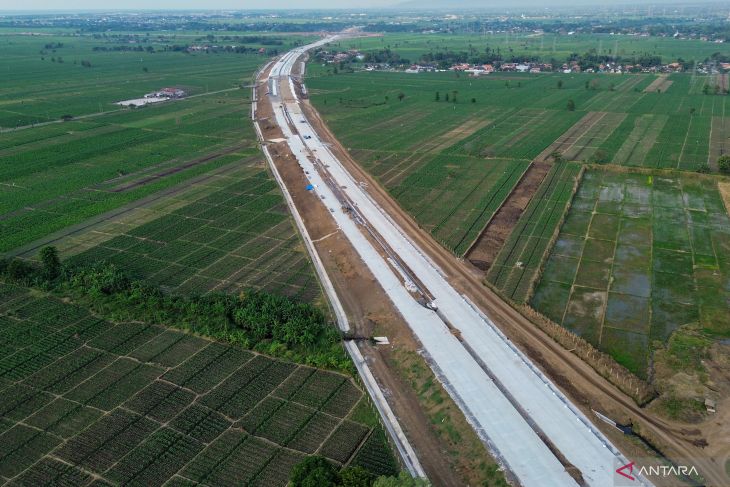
560,364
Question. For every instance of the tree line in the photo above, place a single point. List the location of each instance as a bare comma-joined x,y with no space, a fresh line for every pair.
257,320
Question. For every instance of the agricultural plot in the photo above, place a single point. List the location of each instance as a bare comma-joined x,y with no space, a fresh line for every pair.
56,173
448,163
85,401
521,135
581,141
636,136
518,262
659,85
637,257
719,140
54,180
454,197
508,118
31,91
712,83
227,232
612,92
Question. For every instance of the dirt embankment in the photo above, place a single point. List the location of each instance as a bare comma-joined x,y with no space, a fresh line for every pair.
499,228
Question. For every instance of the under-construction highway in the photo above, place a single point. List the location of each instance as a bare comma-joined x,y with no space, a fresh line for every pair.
529,425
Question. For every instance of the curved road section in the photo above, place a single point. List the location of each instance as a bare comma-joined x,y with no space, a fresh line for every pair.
526,421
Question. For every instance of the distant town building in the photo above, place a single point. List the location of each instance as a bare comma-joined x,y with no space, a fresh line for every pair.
167,93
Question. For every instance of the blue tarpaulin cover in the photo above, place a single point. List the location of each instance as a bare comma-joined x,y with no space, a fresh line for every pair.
310,187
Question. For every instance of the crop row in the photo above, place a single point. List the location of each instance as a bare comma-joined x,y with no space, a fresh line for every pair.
373,455
520,258
100,446
137,404
208,367
156,459
21,446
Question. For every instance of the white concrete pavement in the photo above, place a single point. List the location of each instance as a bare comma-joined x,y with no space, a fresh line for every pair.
390,421
507,422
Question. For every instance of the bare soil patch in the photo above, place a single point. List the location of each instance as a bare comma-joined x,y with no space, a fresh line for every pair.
499,228
455,135
661,84
724,188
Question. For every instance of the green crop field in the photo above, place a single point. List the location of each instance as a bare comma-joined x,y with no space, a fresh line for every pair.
448,164
54,173
43,78
454,198
545,46
228,231
638,256
519,260
84,401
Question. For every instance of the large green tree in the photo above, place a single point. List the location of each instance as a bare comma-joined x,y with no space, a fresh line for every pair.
314,471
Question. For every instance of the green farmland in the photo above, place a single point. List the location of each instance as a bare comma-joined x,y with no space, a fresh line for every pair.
85,401
639,255
229,231
54,173
519,261
449,164
42,81
546,46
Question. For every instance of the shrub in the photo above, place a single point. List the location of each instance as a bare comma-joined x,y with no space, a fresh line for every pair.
724,164
314,471
20,270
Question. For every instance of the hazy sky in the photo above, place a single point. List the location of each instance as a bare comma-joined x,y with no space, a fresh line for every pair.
296,4
186,4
